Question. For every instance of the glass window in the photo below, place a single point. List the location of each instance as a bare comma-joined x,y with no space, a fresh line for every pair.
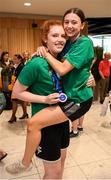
102,41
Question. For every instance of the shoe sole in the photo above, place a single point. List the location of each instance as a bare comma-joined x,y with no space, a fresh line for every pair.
3,156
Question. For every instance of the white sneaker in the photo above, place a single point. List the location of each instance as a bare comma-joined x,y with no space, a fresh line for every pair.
17,167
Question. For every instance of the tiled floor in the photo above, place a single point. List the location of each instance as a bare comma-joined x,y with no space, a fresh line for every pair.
89,155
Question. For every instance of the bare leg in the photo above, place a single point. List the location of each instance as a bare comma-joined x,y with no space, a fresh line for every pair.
81,121
75,125
46,117
54,170
63,158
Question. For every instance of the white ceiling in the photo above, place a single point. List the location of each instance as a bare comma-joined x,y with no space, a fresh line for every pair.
92,8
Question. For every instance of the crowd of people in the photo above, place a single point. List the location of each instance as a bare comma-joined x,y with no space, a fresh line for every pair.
58,84
9,71
10,68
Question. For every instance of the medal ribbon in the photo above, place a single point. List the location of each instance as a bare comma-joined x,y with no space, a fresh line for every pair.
55,79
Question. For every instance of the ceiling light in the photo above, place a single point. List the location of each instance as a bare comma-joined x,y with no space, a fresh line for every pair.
27,4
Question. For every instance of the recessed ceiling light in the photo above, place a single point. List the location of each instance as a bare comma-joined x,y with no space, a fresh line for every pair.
27,4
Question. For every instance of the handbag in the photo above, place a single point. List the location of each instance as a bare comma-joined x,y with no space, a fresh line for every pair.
2,102
10,86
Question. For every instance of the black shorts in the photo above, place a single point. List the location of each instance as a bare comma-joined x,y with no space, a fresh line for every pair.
74,111
54,138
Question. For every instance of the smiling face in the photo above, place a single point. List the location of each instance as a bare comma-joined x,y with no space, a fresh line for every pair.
53,36
56,39
72,25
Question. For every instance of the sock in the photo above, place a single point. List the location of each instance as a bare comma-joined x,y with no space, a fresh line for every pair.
75,131
79,126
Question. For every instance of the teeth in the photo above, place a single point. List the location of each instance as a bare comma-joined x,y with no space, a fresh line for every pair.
59,44
69,31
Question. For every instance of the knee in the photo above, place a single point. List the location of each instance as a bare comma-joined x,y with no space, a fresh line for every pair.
35,124
32,126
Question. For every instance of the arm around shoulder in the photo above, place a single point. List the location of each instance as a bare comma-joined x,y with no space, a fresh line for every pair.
61,68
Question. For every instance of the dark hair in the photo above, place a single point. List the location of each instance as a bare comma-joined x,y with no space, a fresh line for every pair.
76,11
19,57
46,28
2,56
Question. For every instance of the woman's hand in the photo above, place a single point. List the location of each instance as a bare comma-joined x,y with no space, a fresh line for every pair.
41,51
91,81
52,98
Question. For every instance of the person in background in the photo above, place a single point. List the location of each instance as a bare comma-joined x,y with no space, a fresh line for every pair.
3,154
104,71
18,64
5,76
109,88
26,56
74,68
4,64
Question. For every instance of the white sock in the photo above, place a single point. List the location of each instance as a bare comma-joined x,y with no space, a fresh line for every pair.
75,131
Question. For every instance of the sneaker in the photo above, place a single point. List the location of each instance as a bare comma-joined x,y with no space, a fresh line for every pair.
17,167
80,128
72,134
2,155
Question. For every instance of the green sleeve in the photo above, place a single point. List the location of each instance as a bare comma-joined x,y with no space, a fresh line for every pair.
29,73
80,53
